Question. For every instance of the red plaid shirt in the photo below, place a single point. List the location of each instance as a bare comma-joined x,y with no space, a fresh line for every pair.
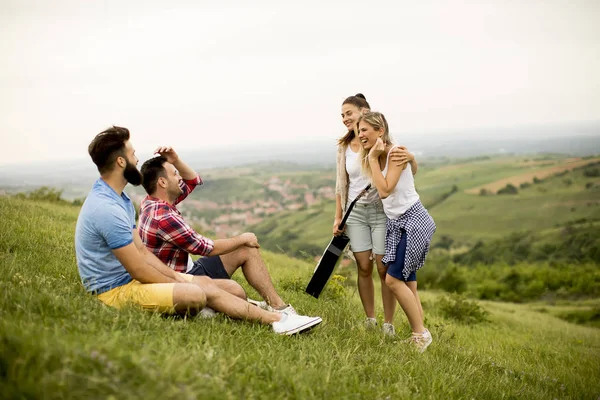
167,235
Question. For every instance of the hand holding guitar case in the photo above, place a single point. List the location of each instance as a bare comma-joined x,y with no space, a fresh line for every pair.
331,255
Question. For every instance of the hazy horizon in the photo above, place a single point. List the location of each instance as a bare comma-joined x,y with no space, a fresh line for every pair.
586,129
214,75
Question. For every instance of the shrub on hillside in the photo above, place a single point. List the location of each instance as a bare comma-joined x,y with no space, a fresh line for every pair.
524,185
43,193
336,287
461,309
591,172
573,245
452,280
444,242
589,317
508,189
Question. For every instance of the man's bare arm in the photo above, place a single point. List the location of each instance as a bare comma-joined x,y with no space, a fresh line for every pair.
224,246
129,256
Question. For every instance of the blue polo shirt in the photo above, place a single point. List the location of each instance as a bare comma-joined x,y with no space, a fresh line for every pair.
105,223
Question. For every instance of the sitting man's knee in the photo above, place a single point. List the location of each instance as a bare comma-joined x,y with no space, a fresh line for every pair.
245,253
198,297
189,297
203,281
235,289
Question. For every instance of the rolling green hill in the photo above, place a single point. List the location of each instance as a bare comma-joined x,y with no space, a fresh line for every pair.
57,342
465,218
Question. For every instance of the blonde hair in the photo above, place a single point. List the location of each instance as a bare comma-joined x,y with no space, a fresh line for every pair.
377,121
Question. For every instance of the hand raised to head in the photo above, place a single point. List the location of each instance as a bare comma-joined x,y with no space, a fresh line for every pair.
167,152
377,149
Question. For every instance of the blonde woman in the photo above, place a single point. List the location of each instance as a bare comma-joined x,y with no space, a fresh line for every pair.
409,226
367,223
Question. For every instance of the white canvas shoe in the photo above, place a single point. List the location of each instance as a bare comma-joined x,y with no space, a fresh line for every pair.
291,324
388,329
208,312
288,310
370,323
422,340
263,304
260,304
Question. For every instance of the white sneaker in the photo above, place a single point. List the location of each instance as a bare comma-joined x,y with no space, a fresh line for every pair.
370,323
388,329
292,323
207,312
263,304
288,310
422,340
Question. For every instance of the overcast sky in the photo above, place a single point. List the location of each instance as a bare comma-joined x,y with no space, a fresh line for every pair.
208,74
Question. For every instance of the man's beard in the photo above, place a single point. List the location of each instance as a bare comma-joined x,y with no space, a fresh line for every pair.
132,175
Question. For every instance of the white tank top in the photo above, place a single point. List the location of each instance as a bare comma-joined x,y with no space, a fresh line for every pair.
404,194
357,181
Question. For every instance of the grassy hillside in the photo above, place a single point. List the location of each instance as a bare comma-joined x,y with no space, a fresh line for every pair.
56,341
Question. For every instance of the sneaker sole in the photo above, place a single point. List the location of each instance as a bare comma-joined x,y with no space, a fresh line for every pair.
304,328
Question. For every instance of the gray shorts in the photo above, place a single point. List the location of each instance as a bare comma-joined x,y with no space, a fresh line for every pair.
366,228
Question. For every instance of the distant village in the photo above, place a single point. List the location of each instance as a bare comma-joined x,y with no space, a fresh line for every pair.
233,218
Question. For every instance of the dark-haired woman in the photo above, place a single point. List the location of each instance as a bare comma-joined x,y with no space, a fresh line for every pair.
366,224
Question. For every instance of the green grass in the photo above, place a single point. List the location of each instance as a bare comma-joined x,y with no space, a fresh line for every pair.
56,341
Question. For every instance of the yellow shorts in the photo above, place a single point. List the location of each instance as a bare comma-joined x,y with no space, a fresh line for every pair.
150,296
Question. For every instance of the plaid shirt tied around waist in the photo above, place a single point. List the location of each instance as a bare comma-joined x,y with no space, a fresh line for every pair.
419,227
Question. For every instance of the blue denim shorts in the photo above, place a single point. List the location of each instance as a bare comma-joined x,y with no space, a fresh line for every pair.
366,227
396,268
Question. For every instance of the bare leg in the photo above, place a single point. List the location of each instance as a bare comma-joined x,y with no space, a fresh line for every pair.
222,301
232,287
365,282
412,285
188,297
407,301
387,296
255,271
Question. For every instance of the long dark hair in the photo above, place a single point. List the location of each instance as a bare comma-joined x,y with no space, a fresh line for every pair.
360,101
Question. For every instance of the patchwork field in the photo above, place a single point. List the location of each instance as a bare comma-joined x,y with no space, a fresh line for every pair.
529,177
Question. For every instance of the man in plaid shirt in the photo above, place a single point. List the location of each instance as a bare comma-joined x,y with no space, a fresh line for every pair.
168,181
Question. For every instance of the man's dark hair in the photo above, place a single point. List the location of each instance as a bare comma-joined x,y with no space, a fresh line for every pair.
153,169
107,146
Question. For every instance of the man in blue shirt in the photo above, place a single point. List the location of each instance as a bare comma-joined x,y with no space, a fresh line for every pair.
115,265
